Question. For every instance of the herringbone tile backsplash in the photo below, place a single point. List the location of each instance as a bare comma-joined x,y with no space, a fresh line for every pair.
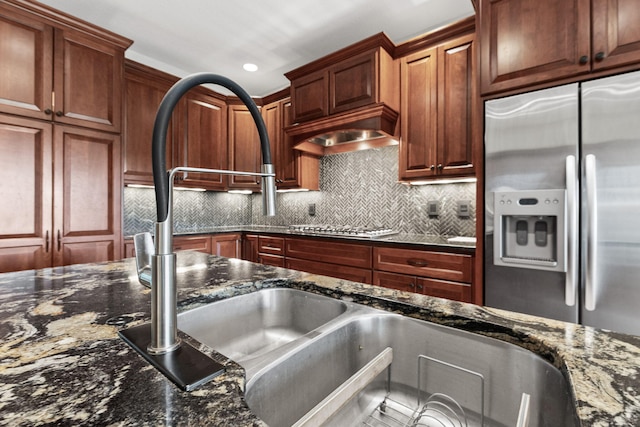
358,189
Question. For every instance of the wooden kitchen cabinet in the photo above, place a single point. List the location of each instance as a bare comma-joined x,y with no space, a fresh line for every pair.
271,251
227,245
192,243
441,274
244,148
59,70
202,140
144,90
294,169
362,74
61,197
342,260
530,42
250,247
437,100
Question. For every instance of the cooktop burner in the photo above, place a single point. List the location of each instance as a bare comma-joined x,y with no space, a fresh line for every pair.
342,230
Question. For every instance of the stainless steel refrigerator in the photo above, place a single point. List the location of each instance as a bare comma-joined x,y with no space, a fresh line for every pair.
562,203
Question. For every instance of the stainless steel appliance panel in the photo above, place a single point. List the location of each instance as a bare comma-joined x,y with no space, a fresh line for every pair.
611,202
527,140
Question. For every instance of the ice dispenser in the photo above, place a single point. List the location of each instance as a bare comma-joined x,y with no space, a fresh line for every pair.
530,229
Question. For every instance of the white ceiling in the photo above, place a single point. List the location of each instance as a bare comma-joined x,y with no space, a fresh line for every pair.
183,37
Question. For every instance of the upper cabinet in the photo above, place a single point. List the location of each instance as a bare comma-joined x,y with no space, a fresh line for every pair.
144,90
59,70
294,169
531,42
437,109
244,148
362,74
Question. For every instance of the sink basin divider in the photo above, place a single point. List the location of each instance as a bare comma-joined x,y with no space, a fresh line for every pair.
347,390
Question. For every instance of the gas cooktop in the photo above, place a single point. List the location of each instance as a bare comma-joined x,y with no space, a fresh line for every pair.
342,230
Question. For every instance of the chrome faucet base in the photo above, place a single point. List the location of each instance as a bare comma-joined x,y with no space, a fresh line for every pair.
186,366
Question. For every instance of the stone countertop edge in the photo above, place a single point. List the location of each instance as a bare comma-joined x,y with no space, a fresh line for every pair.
61,361
419,240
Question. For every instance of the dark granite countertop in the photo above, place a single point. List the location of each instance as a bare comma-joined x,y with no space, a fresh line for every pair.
419,240
62,363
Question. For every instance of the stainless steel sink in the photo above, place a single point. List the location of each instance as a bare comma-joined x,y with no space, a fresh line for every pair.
250,328
487,378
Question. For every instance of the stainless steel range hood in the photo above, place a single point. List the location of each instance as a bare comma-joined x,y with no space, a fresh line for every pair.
360,129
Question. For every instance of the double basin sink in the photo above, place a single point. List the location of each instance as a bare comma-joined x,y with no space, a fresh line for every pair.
314,360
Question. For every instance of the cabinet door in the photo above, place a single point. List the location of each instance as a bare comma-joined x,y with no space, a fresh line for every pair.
244,150
25,187
456,100
401,282
332,270
26,74
352,83
445,289
88,78
143,94
524,42
204,145
226,245
419,109
250,248
87,196
192,243
616,33
310,96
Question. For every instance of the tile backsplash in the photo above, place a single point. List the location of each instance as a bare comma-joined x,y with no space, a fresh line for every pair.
359,189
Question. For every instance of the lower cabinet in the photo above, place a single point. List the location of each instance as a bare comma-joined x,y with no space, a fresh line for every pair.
439,274
271,251
227,245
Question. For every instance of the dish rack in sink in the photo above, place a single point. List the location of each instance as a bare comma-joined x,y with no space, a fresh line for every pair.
437,410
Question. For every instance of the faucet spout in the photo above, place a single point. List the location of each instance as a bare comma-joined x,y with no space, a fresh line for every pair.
164,338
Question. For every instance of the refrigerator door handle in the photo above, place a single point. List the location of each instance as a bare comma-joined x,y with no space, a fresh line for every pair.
571,278
590,289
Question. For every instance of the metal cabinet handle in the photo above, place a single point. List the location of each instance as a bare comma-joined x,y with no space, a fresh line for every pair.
59,240
590,289
48,111
583,59
440,166
571,278
432,167
599,56
46,241
59,113
417,262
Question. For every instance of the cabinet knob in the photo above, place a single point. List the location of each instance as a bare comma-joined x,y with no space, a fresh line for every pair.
48,111
440,166
412,285
599,56
432,167
583,59
420,287
59,113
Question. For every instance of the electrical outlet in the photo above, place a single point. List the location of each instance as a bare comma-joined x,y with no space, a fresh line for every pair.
464,209
433,208
312,209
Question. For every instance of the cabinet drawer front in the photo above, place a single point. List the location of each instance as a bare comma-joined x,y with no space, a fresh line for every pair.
271,245
201,244
437,265
445,289
331,252
401,282
338,271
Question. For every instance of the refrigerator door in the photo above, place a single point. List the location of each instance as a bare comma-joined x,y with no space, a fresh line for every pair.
611,204
528,138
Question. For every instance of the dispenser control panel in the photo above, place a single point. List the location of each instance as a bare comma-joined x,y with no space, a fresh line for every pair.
530,229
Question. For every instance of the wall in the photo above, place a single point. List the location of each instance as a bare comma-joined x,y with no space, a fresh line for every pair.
359,188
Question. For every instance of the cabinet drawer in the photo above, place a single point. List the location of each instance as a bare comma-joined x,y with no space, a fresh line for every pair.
330,252
199,243
401,282
271,245
332,270
437,265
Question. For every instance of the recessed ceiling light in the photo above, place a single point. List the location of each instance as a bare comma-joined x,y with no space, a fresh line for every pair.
250,67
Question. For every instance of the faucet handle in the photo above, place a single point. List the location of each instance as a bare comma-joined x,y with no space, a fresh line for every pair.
143,244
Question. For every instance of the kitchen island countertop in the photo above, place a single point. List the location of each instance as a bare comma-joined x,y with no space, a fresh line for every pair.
62,363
